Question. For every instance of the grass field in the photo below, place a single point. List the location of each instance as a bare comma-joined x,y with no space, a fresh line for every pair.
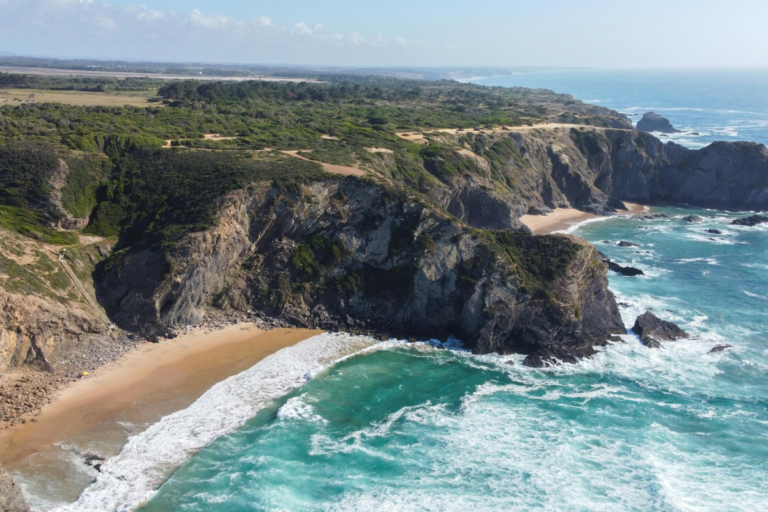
79,98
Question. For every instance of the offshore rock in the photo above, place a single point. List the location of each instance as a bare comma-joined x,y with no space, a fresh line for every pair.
652,330
361,255
754,220
615,267
693,219
653,122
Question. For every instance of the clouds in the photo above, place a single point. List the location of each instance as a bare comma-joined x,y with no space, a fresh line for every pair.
556,33
99,29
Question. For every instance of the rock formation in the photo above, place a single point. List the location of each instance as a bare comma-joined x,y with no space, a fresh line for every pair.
354,255
754,220
653,122
652,330
11,499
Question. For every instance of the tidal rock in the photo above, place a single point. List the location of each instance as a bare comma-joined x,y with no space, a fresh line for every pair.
653,122
627,244
625,271
693,218
11,498
720,348
653,330
754,220
154,339
714,232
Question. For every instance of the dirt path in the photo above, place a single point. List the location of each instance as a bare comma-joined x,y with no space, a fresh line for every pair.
420,137
90,300
331,168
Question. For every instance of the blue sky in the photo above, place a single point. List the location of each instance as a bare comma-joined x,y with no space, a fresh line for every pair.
556,33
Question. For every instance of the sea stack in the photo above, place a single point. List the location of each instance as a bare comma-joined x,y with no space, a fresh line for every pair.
653,122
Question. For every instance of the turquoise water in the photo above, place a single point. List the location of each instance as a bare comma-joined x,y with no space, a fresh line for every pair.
411,427
729,105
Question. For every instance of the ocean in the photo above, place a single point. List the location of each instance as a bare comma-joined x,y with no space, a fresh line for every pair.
340,422
706,105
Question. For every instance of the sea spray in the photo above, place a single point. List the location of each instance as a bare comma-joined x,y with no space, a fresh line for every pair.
149,458
415,428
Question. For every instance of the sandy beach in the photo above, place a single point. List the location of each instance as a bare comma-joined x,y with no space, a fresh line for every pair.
563,218
148,383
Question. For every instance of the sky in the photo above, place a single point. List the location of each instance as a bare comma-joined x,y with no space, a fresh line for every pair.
419,33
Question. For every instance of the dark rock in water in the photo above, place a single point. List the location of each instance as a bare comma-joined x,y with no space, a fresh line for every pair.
653,330
627,244
720,348
539,210
616,339
714,232
625,271
754,220
511,363
615,267
623,305
653,122
693,218
11,498
695,134
654,216
536,361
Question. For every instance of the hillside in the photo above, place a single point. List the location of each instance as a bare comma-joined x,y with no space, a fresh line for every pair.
233,199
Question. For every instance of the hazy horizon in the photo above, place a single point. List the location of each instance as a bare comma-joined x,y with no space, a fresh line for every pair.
594,34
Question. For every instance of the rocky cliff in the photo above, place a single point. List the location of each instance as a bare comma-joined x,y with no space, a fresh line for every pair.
591,169
355,255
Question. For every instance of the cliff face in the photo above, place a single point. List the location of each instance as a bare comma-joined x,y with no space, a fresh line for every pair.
354,255
594,169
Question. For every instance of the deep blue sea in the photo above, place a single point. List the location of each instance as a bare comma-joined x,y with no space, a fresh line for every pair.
729,105
397,426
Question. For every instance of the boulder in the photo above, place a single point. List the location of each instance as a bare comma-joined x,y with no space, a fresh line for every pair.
539,210
714,232
720,348
653,122
693,219
11,498
753,220
627,244
653,330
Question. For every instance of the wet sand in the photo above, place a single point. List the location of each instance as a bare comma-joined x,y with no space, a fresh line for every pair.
563,218
97,414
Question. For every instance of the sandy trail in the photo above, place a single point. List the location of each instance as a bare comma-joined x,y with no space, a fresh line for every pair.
420,137
330,168
563,218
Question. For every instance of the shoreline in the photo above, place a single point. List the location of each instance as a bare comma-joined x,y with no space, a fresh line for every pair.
140,388
562,219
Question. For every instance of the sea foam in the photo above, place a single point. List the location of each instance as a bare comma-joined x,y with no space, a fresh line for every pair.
132,477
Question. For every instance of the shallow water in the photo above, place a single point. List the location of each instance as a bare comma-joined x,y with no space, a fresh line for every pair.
409,427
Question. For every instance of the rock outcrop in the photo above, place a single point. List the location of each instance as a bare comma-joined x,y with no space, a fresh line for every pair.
653,122
753,220
354,255
619,269
652,330
11,498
